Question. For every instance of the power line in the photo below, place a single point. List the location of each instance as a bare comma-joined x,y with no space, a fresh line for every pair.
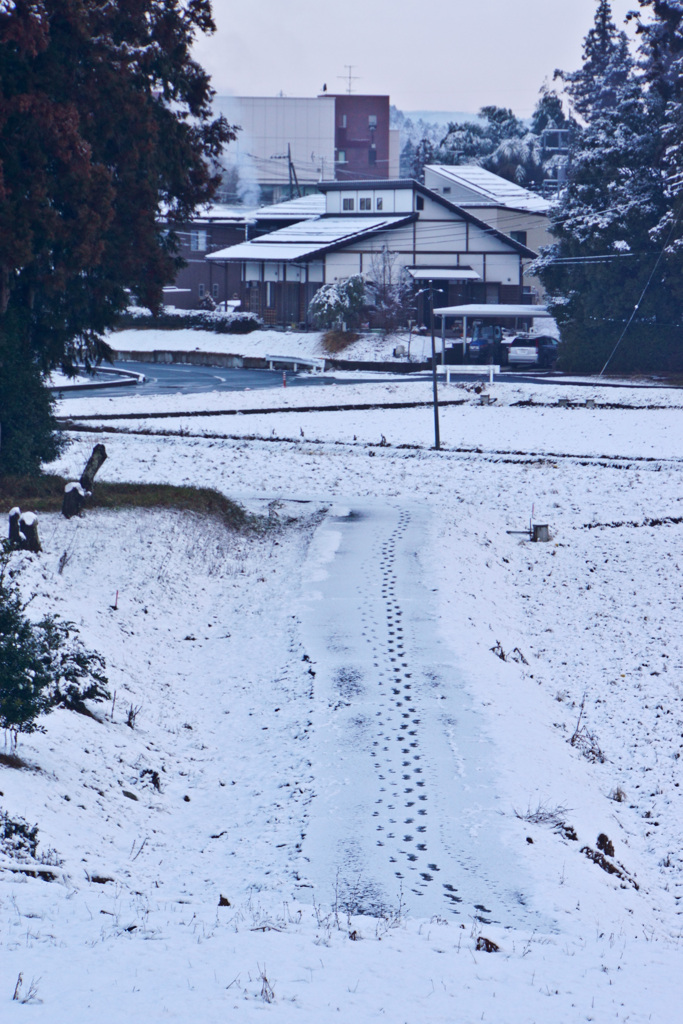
642,294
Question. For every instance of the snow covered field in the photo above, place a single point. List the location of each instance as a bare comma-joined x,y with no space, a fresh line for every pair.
296,688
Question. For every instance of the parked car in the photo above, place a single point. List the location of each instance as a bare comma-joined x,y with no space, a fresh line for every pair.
488,343
539,350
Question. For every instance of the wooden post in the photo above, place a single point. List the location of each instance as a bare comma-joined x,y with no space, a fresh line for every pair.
435,390
14,532
74,499
28,527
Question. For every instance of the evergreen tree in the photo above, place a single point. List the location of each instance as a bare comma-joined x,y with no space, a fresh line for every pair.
499,142
662,63
43,665
604,272
548,113
105,120
606,68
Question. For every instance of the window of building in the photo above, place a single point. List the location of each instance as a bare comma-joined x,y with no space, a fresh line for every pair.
380,203
202,290
372,155
419,202
214,289
270,295
446,190
348,204
365,203
198,241
372,121
341,156
518,236
342,123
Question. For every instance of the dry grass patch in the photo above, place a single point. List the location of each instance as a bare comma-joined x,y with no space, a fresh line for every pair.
337,341
45,494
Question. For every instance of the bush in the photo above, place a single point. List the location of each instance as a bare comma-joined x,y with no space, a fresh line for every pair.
341,302
18,839
194,319
42,665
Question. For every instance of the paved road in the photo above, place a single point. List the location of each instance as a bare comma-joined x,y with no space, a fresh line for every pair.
405,795
185,379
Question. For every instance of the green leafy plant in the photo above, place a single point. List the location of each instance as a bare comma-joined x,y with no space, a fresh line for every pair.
338,302
42,665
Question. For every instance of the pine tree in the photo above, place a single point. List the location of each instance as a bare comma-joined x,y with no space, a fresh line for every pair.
105,120
607,66
548,113
662,62
607,282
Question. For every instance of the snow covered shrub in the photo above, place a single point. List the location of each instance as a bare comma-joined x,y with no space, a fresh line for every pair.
24,671
18,839
42,665
77,673
19,842
171,319
340,302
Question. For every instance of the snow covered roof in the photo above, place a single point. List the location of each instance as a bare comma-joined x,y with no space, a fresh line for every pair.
494,190
443,274
221,213
308,238
302,208
492,309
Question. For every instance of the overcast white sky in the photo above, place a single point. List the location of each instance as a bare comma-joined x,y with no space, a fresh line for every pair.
434,55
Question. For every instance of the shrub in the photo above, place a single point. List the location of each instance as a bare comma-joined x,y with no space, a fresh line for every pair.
337,303
170,319
42,665
18,839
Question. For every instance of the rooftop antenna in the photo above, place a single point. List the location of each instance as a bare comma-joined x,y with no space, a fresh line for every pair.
350,78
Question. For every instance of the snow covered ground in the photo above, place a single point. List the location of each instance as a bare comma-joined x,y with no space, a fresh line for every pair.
273,675
263,343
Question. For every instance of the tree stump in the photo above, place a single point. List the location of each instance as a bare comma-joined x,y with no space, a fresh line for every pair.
76,492
28,532
14,531
74,498
95,462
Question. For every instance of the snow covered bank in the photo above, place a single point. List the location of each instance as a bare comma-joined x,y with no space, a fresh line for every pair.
257,344
208,636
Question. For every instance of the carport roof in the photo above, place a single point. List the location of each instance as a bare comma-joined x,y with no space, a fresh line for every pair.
492,309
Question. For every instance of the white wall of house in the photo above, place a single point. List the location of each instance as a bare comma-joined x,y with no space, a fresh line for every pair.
342,264
381,201
269,124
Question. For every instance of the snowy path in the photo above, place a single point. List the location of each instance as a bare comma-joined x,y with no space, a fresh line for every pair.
405,799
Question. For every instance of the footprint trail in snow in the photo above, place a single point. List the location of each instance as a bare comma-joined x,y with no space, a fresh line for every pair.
405,789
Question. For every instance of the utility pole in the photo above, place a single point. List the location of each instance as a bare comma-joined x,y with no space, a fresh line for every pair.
293,180
437,437
289,168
